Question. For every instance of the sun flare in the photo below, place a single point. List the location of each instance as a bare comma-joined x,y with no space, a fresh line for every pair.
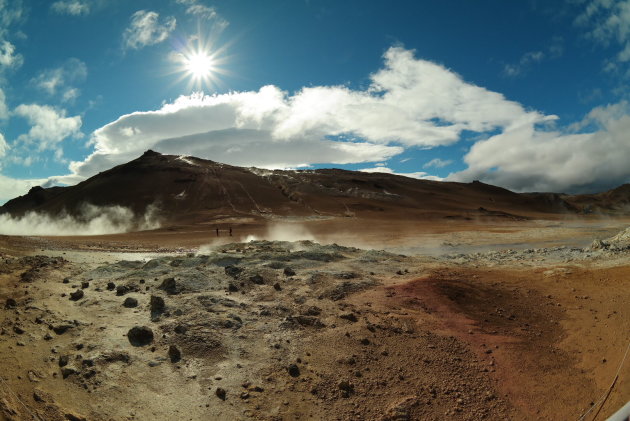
199,65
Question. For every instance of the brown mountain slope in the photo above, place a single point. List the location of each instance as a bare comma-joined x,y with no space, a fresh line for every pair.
190,190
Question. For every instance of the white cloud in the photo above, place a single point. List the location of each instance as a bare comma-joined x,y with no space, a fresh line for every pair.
409,103
4,147
60,79
386,170
610,23
8,57
71,7
201,11
530,58
49,125
146,29
4,110
438,163
528,158
11,187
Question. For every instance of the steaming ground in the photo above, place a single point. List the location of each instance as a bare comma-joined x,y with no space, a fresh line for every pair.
93,220
518,321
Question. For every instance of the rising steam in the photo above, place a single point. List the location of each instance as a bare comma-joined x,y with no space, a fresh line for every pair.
92,220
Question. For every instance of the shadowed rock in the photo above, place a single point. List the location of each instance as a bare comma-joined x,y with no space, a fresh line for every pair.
140,336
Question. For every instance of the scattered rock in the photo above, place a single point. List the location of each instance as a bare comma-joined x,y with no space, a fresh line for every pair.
140,335
77,295
18,329
289,272
62,328
10,303
346,388
257,279
221,393
232,287
294,370
277,287
169,285
122,290
68,371
130,302
157,307
85,284
233,271
63,360
111,286
349,316
174,354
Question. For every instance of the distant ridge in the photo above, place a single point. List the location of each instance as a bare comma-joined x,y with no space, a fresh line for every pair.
193,190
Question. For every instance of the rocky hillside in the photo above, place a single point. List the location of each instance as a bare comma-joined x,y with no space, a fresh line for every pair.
192,190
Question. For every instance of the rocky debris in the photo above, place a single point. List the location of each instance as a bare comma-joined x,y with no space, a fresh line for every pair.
221,393
85,284
170,286
115,356
257,279
349,316
77,295
125,289
346,388
277,286
174,354
130,302
18,329
293,370
10,303
288,272
111,286
232,287
140,336
63,360
68,371
157,307
618,242
233,271
60,329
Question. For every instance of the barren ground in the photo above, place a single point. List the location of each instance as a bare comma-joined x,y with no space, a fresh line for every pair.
395,321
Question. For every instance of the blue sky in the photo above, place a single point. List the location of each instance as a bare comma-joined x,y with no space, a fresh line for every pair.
529,95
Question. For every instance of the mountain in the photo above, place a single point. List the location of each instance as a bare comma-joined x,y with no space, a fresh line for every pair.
193,190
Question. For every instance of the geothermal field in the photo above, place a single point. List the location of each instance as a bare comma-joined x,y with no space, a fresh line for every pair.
203,291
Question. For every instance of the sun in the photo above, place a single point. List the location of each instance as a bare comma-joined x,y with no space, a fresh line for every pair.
199,65
198,61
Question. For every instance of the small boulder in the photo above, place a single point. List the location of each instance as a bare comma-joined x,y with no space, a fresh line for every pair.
169,285
77,295
257,279
111,286
233,271
350,317
289,272
140,336
10,303
174,354
157,307
294,370
130,302
221,393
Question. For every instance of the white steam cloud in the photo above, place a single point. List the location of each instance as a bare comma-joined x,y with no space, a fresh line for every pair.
93,220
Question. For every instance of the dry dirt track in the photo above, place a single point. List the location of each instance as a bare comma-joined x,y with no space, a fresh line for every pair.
372,335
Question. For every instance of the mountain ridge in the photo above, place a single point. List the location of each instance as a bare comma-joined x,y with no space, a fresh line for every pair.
194,190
